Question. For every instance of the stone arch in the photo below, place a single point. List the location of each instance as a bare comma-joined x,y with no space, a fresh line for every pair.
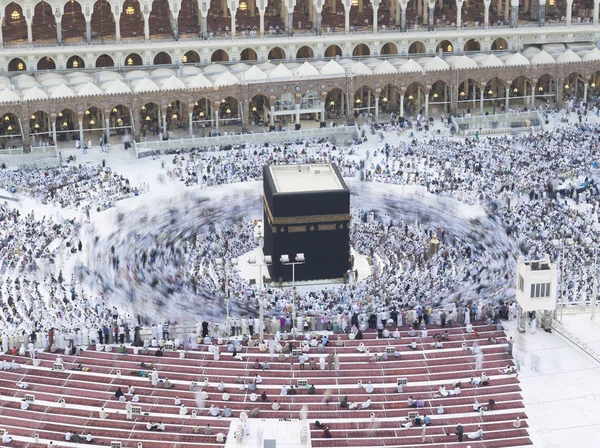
446,46
500,44
389,48
573,85
46,63
364,101
14,28
202,115
160,19
162,58
335,104
44,23
104,60
417,47
472,45
469,92
439,97
75,62
103,24
389,99
305,52
39,126
73,22
176,114
133,59
248,54
229,111
361,50
120,120
545,87
594,84
187,20
10,129
190,57
149,119
219,56
17,65
332,51
414,98
66,125
131,20
276,53
520,90
259,108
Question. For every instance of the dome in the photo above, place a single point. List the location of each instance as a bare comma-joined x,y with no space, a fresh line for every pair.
384,68
435,64
568,57
410,66
543,57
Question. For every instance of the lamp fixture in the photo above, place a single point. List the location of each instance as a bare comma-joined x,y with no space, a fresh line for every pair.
148,118
10,128
462,93
115,110
129,11
435,95
593,84
75,64
243,6
184,59
174,117
449,48
129,61
65,124
15,15
143,108
566,86
490,92
87,112
92,122
515,90
60,114
228,111
33,117
410,97
196,103
540,88
254,109
385,99
6,118
201,114
20,66
37,126
332,103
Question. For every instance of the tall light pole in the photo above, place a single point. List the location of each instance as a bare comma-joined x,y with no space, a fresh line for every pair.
221,264
595,285
285,260
266,261
567,242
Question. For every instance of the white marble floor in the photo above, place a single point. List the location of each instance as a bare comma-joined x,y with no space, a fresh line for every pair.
560,387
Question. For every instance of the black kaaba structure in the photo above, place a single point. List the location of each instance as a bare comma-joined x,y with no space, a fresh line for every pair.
307,210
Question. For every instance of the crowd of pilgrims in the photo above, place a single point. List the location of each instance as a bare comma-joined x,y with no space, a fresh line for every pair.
536,189
78,186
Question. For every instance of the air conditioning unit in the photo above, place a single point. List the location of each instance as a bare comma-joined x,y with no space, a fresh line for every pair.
301,383
136,410
58,366
413,414
115,445
296,352
390,350
30,398
402,381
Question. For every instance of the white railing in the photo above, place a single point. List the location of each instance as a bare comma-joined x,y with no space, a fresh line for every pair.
580,343
484,123
338,133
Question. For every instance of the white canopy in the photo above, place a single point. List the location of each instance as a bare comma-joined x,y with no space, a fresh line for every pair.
255,74
410,66
567,57
360,69
199,82
117,87
226,79
461,62
543,57
491,60
89,89
306,69
384,68
281,71
173,83
435,64
61,91
145,85
516,59
333,68
592,55
34,93
8,96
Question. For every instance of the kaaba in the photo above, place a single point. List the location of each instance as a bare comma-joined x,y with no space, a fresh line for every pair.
306,211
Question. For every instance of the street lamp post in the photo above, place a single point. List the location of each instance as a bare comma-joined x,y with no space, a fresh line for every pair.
267,261
285,260
221,264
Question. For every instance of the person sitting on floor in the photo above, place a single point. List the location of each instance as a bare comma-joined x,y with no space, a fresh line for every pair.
477,434
412,345
344,402
263,396
366,404
326,433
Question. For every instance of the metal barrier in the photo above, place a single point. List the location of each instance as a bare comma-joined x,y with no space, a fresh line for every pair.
564,332
339,134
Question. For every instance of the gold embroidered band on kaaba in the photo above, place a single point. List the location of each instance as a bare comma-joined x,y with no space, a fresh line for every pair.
289,220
